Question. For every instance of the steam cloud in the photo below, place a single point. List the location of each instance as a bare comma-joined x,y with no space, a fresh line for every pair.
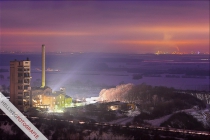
115,94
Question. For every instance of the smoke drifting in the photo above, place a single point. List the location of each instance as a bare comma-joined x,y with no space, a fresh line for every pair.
116,94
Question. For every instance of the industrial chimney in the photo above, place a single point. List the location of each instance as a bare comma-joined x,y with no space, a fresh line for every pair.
43,66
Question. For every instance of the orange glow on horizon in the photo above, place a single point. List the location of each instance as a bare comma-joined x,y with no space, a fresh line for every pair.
161,42
174,29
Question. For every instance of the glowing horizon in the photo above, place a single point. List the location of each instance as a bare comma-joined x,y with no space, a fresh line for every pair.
98,26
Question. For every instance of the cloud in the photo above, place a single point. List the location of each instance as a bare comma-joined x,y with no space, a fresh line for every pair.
116,94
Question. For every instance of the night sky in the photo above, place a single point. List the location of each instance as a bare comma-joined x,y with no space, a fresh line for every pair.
105,26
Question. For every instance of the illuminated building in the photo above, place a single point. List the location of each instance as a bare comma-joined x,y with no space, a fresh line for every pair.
45,98
57,100
37,94
20,76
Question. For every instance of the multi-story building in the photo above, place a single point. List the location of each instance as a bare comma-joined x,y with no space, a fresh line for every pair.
20,76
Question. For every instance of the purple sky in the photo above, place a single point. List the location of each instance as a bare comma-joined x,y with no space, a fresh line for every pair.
105,26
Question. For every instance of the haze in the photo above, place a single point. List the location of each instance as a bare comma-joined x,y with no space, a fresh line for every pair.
105,26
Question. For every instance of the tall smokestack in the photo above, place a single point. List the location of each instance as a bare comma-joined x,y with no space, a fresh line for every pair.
43,66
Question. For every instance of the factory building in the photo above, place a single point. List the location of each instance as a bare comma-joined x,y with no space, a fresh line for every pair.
57,100
36,96
20,77
45,98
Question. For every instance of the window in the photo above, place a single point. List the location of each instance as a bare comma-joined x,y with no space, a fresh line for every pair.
54,102
53,97
20,93
58,102
20,97
20,103
26,75
26,87
60,97
20,87
26,81
26,94
20,74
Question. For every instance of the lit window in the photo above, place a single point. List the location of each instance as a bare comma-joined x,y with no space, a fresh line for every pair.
54,97
54,102
60,97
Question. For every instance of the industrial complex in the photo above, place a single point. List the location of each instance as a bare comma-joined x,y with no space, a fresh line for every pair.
23,96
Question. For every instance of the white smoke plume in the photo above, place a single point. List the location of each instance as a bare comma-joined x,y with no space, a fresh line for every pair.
115,94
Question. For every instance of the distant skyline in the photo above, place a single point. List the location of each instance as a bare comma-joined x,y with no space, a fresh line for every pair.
105,26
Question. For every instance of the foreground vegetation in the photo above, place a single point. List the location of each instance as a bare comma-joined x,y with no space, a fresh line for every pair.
182,120
63,130
153,102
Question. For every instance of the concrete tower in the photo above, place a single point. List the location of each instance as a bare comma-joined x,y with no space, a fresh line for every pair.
43,66
20,77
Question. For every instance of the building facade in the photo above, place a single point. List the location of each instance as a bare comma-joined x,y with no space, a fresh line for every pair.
54,101
20,77
37,94
57,101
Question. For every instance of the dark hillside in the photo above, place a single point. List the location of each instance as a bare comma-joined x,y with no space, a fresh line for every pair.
183,121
